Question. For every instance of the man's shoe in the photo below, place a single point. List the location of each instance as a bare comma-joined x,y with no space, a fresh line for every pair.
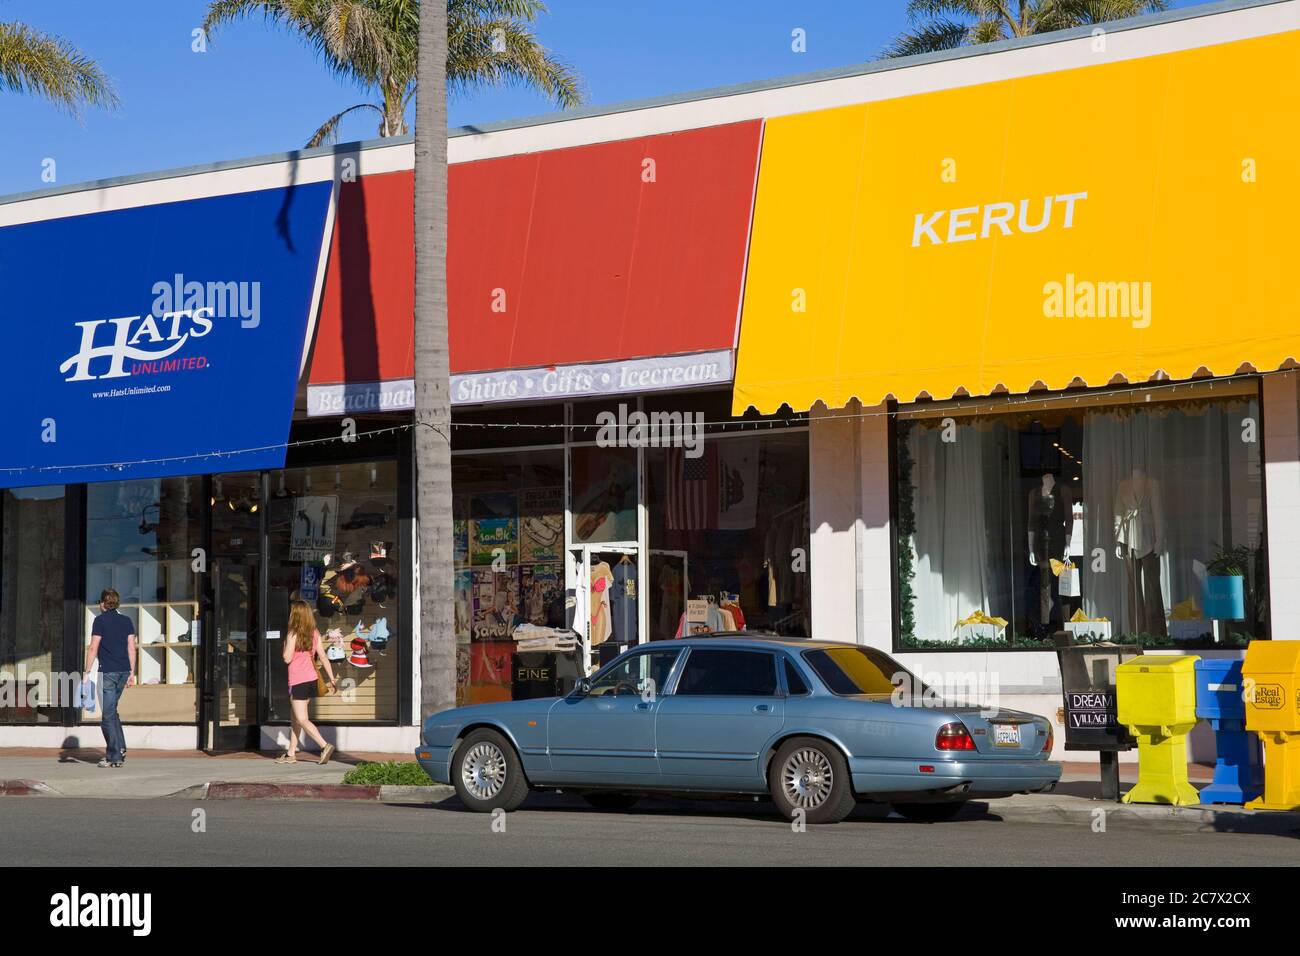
104,762
118,763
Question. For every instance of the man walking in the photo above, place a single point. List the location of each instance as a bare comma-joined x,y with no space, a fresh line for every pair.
112,640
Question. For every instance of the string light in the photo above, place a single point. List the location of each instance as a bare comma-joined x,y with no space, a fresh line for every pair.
991,402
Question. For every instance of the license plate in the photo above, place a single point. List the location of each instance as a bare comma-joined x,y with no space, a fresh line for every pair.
1006,735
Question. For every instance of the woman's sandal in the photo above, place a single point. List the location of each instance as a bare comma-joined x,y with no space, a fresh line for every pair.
326,754
286,758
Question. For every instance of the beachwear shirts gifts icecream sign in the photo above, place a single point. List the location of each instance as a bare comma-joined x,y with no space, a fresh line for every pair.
158,340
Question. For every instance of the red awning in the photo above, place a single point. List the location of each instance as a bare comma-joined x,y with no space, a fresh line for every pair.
594,254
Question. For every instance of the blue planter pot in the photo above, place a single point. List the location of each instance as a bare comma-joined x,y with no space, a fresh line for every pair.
1225,597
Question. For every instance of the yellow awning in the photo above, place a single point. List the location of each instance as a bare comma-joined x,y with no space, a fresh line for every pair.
1120,219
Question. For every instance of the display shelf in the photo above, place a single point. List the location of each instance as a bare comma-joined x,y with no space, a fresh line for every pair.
151,623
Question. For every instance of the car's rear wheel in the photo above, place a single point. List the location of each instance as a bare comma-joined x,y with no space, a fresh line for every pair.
809,778
605,800
928,812
487,774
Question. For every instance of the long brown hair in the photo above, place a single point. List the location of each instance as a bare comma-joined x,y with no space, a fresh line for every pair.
302,625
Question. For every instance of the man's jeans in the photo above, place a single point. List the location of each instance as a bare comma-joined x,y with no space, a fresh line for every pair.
111,724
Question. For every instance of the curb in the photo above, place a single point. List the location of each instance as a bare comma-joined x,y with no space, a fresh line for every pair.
399,793
1194,818
223,790
220,790
26,788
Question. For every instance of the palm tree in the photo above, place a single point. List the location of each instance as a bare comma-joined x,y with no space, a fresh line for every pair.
375,42
432,369
51,67
945,24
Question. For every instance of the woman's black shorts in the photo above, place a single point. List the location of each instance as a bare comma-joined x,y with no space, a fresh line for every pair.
304,691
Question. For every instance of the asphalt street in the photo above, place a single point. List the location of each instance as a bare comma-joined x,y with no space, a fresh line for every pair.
560,830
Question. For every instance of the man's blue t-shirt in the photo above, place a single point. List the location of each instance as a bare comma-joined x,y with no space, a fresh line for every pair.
113,629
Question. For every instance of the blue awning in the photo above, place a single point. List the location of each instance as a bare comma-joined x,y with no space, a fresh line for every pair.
160,340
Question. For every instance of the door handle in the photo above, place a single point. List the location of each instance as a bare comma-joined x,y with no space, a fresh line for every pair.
643,706
762,708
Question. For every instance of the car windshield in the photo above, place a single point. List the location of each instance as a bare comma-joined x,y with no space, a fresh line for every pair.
860,670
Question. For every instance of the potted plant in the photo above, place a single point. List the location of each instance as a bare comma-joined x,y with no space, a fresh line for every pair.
1225,583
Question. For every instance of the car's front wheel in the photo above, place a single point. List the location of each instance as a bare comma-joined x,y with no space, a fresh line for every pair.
810,778
928,812
487,774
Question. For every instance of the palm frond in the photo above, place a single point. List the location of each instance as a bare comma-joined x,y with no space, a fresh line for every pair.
51,67
473,61
376,44
939,34
988,31
945,24
918,10
1082,12
329,130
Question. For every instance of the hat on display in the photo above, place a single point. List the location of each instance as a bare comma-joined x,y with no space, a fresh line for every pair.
360,657
328,604
381,586
350,578
379,634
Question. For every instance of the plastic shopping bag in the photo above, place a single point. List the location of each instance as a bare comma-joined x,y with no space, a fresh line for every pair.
87,691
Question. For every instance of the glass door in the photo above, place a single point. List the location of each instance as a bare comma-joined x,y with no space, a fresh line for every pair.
234,574
609,586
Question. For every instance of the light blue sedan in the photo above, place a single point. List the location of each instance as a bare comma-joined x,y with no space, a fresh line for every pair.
817,725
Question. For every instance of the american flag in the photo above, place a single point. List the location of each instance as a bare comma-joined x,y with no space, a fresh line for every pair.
692,489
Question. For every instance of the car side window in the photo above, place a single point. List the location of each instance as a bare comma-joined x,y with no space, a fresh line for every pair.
728,673
795,685
636,674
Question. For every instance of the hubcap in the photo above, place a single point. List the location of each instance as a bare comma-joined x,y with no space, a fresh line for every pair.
483,770
807,778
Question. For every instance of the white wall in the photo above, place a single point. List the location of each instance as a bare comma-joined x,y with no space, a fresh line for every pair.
1282,501
852,583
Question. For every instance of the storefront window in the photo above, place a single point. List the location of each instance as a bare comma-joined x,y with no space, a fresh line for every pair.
508,514
332,541
141,538
604,494
31,604
729,536
1121,520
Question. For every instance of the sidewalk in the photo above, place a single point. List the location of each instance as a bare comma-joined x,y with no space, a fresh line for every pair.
195,775
160,773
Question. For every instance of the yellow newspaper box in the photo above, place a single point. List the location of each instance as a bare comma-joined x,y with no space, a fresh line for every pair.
1156,700
1271,675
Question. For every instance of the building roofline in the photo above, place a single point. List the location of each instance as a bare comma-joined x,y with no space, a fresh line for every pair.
866,68
630,106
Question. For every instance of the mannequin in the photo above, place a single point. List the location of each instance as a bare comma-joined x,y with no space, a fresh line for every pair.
1051,512
601,625
1139,535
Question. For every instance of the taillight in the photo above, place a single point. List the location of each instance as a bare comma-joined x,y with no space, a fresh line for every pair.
1047,739
953,736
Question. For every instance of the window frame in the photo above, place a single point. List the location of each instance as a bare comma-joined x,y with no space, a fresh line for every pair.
1135,394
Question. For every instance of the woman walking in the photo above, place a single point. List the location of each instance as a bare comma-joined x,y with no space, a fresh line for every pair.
301,647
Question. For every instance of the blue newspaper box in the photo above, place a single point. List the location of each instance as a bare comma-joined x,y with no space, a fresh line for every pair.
1238,770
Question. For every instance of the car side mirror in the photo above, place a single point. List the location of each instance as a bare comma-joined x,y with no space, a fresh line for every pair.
583,687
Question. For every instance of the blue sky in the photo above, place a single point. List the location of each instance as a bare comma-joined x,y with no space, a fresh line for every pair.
260,90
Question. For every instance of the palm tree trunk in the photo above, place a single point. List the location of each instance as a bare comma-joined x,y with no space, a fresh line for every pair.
437,638
394,122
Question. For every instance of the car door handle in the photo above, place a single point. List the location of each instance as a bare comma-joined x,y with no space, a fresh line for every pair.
762,708
643,706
